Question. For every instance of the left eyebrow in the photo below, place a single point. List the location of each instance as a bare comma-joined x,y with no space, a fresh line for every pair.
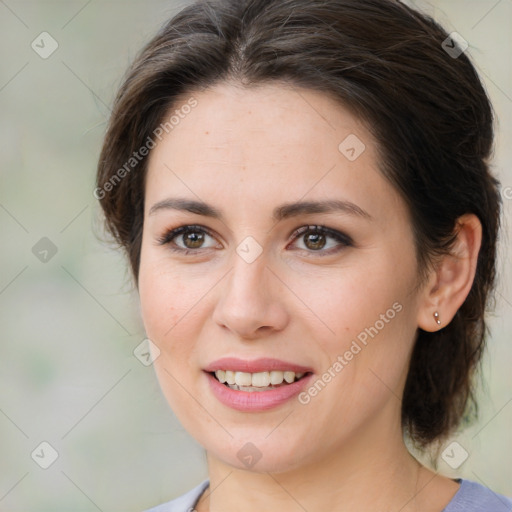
280,213
288,210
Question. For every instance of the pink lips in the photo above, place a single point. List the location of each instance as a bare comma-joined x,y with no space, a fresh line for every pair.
256,401
263,364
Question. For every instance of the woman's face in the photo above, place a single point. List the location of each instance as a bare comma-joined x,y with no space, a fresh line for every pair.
340,306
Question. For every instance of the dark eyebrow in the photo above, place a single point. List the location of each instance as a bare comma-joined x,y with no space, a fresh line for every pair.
288,210
282,212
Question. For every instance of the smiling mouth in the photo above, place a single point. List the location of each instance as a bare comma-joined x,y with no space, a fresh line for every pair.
260,381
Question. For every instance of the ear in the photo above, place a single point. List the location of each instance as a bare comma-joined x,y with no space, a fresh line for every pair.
450,281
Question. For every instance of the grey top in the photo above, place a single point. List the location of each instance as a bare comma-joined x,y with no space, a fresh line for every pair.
471,497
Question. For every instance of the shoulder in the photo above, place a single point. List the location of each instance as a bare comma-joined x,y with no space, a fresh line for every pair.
474,497
184,503
471,497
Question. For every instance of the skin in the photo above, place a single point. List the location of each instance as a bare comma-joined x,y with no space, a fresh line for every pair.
246,151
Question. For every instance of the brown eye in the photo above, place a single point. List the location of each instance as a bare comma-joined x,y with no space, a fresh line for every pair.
314,241
193,239
186,239
316,238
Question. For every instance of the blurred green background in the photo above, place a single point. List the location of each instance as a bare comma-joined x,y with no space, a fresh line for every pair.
70,324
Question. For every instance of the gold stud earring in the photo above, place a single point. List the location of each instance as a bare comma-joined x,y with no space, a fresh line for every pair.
436,317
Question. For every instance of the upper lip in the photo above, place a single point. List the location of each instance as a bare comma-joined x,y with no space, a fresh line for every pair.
263,364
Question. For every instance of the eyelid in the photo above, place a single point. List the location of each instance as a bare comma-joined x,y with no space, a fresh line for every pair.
324,230
170,234
343,239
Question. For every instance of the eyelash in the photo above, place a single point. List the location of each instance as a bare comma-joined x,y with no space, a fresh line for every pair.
344,240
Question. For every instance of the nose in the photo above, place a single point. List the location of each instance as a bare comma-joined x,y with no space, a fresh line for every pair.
251,303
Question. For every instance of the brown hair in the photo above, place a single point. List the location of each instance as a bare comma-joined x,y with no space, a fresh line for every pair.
386,62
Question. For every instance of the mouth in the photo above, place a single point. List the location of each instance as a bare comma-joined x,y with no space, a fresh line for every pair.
256,385
259,381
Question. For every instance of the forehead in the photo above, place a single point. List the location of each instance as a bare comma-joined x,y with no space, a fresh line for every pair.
265,143
275,115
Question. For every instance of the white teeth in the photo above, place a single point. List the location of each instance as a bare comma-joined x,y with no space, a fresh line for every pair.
230,376
289,377
258,380
276,377
243,379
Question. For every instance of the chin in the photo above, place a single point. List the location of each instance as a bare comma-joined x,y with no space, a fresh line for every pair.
257,454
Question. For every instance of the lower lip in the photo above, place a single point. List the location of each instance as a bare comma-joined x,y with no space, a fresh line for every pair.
255,401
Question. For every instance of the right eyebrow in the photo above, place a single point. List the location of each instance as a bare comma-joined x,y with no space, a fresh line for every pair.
281,212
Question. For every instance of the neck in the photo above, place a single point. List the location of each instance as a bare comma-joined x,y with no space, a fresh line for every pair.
371,471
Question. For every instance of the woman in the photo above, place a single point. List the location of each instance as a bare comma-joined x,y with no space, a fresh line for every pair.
307,207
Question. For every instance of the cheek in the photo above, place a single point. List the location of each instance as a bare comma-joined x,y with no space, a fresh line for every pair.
164,296
166,314
164,306
371,320
346,301
173,308
159,305
364,371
